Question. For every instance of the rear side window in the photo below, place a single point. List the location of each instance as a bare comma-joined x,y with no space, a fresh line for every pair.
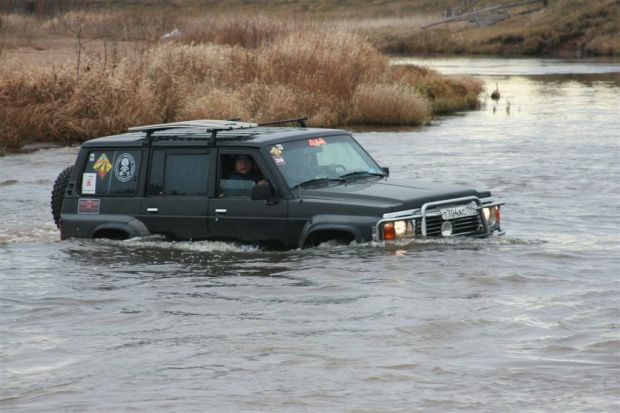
178,174
111,172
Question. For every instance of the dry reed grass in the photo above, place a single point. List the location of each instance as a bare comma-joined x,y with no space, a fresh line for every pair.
333,77
249,31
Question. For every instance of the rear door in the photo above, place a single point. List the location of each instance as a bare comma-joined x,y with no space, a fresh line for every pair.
176,200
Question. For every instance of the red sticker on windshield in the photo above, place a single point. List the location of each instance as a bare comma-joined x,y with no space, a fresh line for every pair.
316,142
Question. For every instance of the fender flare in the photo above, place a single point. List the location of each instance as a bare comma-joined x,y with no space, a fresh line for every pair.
357,226
132,226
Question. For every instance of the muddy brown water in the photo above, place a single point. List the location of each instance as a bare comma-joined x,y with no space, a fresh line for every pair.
524,322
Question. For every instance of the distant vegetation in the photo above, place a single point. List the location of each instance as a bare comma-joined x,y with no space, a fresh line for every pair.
564,28
74,69
569,28
261,70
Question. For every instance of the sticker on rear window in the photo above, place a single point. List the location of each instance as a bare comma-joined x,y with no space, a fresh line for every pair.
89,183
102,166
124,167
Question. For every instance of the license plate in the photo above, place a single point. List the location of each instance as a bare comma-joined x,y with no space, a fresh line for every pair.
459,211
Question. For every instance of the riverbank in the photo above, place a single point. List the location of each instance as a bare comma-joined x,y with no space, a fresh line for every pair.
562,28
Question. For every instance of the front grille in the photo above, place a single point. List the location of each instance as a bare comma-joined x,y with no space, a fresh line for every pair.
461,226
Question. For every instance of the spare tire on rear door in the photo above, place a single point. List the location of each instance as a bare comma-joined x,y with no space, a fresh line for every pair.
58,192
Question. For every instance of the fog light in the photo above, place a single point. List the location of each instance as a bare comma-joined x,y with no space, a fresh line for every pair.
446,229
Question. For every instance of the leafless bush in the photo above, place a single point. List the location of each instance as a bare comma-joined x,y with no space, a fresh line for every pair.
389,104
248,31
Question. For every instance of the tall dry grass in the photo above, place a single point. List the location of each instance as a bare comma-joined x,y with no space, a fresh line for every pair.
335,78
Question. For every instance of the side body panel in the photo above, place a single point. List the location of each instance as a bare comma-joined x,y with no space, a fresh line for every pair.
110,200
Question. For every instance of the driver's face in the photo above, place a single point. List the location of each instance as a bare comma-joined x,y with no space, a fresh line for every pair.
243,166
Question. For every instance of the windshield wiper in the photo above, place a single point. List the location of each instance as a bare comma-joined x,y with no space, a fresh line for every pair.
316,181
360,174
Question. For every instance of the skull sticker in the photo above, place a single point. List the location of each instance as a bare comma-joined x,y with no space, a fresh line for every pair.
124,167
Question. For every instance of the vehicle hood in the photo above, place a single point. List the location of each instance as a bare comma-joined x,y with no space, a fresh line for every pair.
394,194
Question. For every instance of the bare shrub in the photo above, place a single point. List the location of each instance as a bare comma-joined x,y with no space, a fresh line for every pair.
445,93
330,63
451,93
59,106
246,30
317,77
389,104
216,104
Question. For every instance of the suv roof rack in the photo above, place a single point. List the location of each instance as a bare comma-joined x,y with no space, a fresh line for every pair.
211,125
208,124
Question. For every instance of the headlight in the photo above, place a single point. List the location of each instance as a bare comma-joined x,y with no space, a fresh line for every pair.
491,215
446,229
400,227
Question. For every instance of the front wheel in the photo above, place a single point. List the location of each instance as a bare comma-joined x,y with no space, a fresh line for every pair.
58,193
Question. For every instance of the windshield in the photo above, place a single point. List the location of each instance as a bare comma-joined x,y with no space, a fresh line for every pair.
322,160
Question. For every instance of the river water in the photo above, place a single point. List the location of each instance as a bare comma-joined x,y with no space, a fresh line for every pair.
525,322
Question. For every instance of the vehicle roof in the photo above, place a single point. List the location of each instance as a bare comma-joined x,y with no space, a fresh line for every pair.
259,136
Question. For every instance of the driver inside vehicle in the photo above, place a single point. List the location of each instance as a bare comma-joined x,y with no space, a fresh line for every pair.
244,174
246,171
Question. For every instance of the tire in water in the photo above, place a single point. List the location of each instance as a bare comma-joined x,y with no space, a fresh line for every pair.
58,192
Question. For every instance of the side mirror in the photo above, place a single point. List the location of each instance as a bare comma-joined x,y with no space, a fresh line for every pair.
386,170
260,192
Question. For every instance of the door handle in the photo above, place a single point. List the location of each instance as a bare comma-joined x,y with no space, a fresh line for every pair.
152,210
221,211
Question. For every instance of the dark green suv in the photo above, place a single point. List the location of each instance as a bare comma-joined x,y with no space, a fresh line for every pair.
285,187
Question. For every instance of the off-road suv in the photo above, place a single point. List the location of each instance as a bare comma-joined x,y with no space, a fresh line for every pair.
304,186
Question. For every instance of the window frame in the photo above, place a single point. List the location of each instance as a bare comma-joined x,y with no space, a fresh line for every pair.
139,168
256,155
285,182
178,151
